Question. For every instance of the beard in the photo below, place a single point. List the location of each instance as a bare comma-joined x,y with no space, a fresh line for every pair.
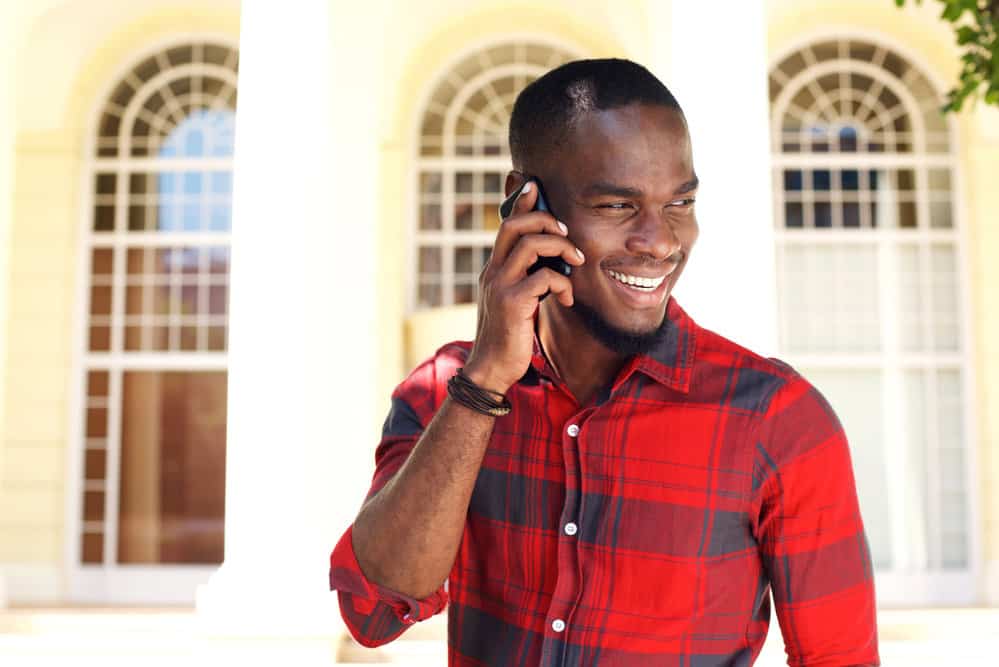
619,340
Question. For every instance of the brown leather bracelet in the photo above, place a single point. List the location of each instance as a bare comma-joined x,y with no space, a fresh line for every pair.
472,396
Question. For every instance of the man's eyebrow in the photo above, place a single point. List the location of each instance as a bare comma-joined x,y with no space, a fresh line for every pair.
605,188
689,186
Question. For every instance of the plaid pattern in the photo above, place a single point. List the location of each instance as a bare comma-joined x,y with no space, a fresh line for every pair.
703,479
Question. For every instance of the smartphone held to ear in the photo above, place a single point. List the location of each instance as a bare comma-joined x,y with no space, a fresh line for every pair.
556,264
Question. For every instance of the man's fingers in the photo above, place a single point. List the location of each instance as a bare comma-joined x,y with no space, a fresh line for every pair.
517,226
533,246
525,200
543,281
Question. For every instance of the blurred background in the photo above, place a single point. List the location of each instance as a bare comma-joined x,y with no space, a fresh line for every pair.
227,232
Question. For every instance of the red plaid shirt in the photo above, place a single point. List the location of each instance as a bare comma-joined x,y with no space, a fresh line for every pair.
647,528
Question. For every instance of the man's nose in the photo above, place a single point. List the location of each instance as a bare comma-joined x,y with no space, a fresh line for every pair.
653,235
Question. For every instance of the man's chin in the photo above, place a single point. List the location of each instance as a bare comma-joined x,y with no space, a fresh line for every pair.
623,340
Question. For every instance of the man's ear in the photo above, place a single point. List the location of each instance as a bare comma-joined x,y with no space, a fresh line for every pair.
514,179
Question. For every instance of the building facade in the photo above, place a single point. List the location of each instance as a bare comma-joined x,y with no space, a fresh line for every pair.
171,275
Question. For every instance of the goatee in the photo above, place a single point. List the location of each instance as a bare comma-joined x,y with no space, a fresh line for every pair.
618,340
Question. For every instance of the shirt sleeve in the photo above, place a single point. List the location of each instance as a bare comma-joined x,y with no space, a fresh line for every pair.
374,614
811,535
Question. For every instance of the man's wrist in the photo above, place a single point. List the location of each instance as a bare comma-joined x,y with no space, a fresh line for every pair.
486,380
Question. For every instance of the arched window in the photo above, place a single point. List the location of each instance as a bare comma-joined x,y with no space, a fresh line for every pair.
152,418
463,159
871,287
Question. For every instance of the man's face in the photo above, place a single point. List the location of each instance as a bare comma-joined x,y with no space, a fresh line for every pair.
624,184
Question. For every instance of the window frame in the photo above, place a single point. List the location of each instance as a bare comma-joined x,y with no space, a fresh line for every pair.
111,582
906,583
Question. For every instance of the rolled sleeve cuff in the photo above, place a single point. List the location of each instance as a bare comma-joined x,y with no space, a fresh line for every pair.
374,614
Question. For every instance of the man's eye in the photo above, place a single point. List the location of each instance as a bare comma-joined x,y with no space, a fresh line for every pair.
681,203
616,206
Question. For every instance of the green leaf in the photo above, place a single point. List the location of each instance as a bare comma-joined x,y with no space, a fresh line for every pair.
952,12
966,35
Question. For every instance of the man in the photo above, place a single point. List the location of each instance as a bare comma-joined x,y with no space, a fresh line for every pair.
599,480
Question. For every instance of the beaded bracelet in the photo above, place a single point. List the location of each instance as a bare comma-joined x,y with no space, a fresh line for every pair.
474,397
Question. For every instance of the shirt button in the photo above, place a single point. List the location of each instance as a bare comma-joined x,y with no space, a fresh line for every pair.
573,430
558,625
571,528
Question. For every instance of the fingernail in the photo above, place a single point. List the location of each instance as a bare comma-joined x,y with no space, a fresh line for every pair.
580,253
561,225
527,187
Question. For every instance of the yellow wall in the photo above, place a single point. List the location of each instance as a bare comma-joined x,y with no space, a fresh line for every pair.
72,54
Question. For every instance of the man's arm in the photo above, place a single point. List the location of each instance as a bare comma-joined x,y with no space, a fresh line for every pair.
404,541
407,535
811,534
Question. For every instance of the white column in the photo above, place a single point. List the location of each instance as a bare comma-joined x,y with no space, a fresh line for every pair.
302,346
714,60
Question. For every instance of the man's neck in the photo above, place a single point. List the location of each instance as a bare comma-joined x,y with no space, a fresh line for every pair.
583,363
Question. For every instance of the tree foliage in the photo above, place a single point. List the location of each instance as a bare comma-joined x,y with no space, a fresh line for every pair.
976,25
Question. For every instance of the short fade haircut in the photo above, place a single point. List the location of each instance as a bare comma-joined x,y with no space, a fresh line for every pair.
547,109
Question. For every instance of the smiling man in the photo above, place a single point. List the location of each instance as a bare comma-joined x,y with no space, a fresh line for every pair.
599,480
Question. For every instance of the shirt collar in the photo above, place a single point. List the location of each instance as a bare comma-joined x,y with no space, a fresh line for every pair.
670,362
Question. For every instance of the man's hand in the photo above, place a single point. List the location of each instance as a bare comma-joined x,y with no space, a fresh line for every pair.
508,297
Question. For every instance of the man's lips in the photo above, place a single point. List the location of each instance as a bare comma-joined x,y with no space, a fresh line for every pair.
643,279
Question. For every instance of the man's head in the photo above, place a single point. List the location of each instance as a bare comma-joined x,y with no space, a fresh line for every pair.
610,144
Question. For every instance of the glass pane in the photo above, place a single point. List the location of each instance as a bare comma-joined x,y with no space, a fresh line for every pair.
463,182
100,339
793,215
856,397
941,214
829,300
911,298
430,183
93,505
907,215
97,422
430,261
463,261
95,467
97,384
172,491
944,297
101,262
430,216
823,214
921,535
430,295
940,179
100,300
493,184
92,548
464,293
490,217
464,216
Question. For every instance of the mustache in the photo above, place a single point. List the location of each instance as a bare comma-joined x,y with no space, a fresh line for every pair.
646,262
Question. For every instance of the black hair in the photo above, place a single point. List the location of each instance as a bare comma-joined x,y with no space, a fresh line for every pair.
550,106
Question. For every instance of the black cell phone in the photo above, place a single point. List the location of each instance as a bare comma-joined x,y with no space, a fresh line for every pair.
556,264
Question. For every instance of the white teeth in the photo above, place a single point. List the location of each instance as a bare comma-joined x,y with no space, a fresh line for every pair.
637,281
